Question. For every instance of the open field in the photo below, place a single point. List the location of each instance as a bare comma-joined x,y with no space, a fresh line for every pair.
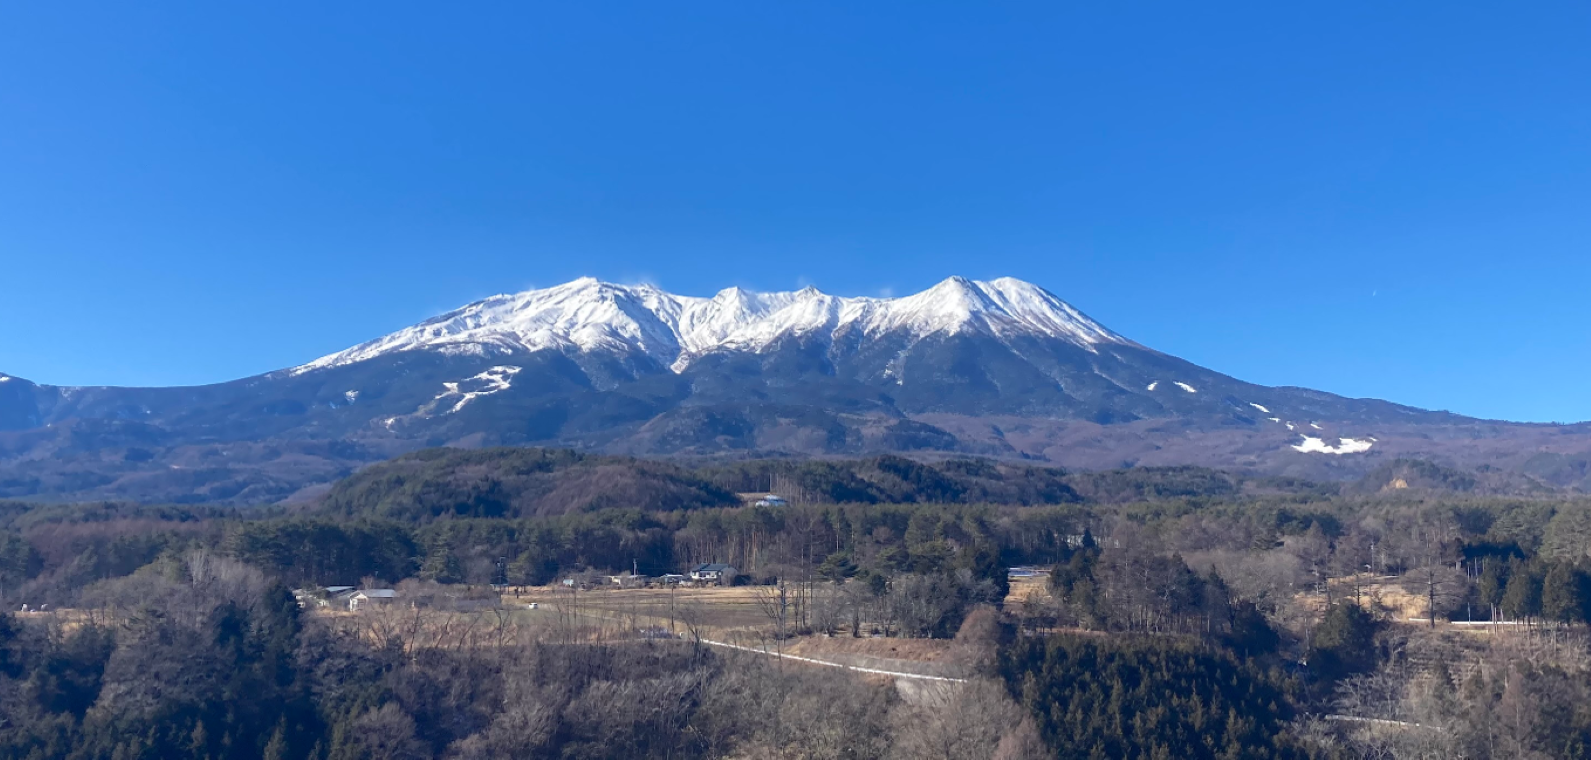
719,608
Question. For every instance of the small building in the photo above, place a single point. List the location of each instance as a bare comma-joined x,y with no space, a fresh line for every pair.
669,579
371,597
1026,572
628,580
713,572
762,499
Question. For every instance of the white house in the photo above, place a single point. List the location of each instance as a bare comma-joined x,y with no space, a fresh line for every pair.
713,572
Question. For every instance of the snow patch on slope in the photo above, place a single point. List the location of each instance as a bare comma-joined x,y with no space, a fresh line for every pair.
587,315
1261,408
1154,385
1313,445
484,384
1186,387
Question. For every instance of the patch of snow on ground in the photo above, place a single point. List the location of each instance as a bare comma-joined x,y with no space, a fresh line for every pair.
5,378
1317,427
1186,387
892,369
1261,408
1274,419
1154,385
1313,445
352,396
484,384
1290,426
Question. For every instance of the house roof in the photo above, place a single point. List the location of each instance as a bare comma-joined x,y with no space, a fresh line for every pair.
712,567
378,593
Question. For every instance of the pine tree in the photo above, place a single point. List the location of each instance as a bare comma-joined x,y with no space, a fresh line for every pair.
10,662
441,565
199,741
1522,597
1562,594
983,560
1492,584
276,749
1344,643
342,746
837,567
521,571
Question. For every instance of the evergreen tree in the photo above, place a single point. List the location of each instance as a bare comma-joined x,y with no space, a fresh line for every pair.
531,568
837,567
1344,643
984,562
1251,634
441,564
1563,594
276,748
199,741
1147,698
10,657
1493,582
1522,597
19,561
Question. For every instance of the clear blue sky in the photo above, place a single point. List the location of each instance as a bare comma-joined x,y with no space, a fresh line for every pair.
1389,199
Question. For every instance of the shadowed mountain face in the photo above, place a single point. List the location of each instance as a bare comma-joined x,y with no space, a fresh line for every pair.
1001,369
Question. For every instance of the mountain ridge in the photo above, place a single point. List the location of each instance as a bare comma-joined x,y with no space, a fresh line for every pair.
590,315
1001,369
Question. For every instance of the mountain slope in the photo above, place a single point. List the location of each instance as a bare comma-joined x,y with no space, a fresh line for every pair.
1000,368
590,316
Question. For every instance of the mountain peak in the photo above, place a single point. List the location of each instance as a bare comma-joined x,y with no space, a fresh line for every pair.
588,315
956,288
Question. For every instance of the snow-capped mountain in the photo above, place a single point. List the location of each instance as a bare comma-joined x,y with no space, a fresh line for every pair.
1000,368
591,316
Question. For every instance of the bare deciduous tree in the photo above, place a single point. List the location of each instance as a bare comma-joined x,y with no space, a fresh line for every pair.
954,722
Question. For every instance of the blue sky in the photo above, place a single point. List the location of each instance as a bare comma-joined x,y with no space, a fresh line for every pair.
1385,200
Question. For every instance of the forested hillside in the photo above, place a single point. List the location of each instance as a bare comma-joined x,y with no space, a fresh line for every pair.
1175,612
530,482
508,482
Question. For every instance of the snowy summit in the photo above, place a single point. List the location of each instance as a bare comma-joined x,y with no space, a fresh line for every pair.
589,315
